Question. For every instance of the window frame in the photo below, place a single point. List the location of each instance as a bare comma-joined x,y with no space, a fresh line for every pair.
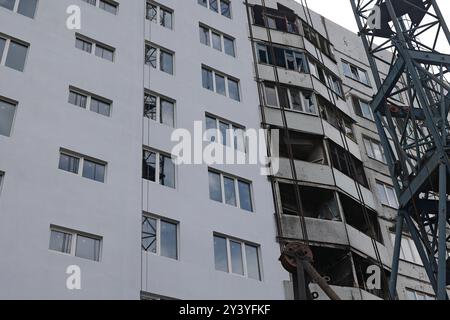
237,194
231,136
16,6
158,116
159,54
158,240
289,92
228,81
81,159
4,55
94,44
89,97
385,187
74,240
244,259
159,10
348,66
158,155
15,105
207,5
371,153
223,36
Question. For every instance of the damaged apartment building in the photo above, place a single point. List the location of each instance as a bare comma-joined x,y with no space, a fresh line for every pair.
93,110
315,86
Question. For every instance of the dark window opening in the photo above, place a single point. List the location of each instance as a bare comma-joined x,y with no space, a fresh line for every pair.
341,159
336,117
361,267
354,216
334,265
305,147
316,203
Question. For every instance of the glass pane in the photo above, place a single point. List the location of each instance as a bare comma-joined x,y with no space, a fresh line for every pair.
207,79
245,196
83,45
16,56
237,265
166,18
224,130
2,46
104,53
204,36
215,188
167,113
369,150
149,166
150,106
100,107
69,163
169,237
150,56
393,202
230,191
149,233
225,9
296,100
88,248
109,7
217,41
93,171
27,7
271,96
152,12
77,99
220,254
253,270
229,46
211,129
213,5
220,85
203,3
60,241
7,111
166,171
233,90
239,139
8,4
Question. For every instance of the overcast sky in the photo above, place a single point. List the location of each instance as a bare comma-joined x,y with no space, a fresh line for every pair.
340,11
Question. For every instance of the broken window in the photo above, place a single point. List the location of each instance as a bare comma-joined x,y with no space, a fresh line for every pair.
354,216
334,265
305,147
282,19
348,164
317,203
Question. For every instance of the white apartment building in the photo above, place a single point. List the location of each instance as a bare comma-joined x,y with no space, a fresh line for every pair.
86,177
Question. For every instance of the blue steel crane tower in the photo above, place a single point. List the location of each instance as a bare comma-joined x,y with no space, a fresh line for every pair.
408,40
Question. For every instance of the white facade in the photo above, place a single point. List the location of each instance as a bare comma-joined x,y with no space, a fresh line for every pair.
35,195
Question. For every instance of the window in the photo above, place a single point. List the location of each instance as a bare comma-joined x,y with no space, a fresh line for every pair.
229,190
374,149
284,58
238,257
159,109
104,52
164,18
107,5
290,98
225,133
2,174
353,72
215,81
7,112
362,108
159,58
217,40
416,295
158,167
75,243
408,250
92,169
89,46
82,99
160,236
278,19
214,5
13,53
318,40
347,163
386,195
24,7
